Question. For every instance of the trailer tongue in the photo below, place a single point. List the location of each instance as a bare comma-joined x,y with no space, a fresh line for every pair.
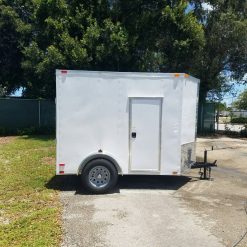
205,166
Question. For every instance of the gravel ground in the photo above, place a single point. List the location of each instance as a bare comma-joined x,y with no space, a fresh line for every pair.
162,210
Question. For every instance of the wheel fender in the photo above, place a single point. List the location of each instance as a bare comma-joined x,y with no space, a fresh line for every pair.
99,156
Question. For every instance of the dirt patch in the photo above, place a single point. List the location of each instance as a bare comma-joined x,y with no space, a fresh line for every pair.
49,160
230,153
223,198
6,139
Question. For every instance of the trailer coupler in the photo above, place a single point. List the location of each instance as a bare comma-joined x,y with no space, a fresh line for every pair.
205,168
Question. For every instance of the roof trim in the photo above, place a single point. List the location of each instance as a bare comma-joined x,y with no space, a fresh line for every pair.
61,72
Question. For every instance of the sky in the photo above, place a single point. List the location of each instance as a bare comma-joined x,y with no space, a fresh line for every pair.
18,93
229,98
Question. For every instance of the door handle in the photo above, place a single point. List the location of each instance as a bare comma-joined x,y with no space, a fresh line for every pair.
133,134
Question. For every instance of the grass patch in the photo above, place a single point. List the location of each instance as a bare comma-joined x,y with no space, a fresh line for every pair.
29,212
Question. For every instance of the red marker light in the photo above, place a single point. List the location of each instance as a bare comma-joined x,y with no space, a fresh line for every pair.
61,168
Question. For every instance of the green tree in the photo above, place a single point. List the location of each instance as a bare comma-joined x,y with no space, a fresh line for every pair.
37,37
241,102
163,37
71,35
119,35
224,57
221,106
12,33
116,35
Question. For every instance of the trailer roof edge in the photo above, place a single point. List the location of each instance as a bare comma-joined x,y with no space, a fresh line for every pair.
124,74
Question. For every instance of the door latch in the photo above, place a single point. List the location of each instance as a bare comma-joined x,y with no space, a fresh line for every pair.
133,134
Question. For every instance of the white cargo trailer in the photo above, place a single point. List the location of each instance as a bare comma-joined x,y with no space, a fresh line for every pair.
111,123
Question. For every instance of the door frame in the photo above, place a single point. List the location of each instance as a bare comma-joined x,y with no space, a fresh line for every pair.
160,136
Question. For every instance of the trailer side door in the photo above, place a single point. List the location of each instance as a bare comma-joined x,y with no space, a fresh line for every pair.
145,134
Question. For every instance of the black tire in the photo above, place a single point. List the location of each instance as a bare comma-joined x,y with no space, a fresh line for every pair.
99,176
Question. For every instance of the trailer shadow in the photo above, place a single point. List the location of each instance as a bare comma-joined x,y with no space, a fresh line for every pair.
152,182
131,182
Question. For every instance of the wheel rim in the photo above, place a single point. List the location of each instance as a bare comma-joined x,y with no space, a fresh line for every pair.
99,176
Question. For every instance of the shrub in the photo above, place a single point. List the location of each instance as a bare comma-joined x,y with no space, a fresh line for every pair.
241,120
45,130
243,132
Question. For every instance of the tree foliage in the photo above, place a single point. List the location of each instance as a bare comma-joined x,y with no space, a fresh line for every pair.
37,37
162,36
224,56
108,35
3,91
241,102
221,106
12,32
71,35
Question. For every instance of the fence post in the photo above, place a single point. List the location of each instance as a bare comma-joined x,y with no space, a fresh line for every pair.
217,116
202,119
39,113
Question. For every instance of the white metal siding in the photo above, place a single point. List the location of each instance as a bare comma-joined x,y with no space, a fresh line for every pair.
93,114
189,108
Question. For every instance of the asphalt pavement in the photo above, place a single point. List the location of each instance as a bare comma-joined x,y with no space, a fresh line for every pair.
142,211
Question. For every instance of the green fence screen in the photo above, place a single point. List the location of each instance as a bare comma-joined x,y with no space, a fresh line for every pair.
206,118
17,114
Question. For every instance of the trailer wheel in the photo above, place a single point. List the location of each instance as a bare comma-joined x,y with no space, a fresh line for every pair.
99,176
